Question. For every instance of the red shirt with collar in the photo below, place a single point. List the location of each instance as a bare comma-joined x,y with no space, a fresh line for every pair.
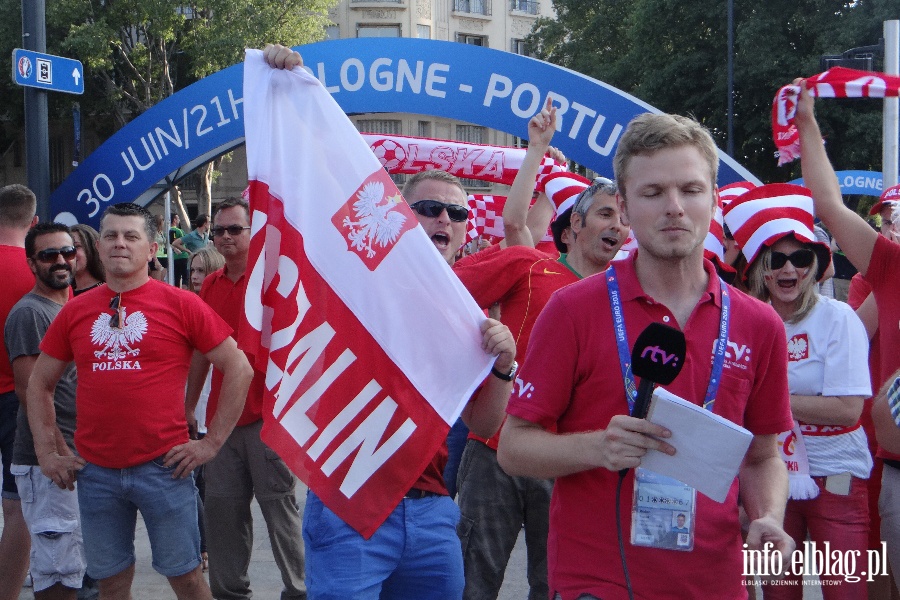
226,298
572,368
521,279
882,278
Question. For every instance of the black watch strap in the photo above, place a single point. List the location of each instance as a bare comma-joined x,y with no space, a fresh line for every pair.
505,376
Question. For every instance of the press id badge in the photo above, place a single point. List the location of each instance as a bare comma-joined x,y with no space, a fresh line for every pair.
663,512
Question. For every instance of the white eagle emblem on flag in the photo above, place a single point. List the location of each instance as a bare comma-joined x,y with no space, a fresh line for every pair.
377,221
117,342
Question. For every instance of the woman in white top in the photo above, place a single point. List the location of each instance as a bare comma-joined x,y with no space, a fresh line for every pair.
826,453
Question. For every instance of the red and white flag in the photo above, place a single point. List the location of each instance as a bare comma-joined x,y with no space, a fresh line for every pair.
402,154
370,344
837,82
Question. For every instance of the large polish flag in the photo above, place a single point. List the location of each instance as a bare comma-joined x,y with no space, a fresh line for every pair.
370,344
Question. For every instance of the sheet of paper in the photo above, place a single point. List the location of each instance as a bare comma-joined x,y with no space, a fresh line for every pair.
709,448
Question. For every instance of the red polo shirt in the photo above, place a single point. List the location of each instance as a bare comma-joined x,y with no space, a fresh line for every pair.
521,280
226,297
882,277
17,281
572,368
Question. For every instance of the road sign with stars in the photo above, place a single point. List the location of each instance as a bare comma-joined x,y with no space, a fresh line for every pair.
48,72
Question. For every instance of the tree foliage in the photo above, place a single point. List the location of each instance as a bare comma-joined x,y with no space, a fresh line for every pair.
673,55
138,52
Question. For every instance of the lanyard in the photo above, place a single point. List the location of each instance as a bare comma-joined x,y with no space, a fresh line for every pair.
718,357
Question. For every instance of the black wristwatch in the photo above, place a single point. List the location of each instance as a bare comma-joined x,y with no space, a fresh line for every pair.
508,376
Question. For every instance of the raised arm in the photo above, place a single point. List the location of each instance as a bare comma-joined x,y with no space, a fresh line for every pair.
541,128
849,230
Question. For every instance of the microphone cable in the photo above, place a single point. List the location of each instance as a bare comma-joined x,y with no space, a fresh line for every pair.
622,473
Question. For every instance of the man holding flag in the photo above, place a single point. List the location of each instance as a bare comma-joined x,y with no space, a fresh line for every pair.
423,352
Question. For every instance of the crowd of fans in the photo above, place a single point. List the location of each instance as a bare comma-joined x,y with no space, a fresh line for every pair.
169,410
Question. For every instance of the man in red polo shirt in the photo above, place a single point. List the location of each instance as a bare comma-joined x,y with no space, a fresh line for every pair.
876,258
245,467
574,423
493,505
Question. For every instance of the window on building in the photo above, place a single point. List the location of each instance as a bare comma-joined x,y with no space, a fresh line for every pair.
478,7
532,7
423,32
332,32
367,31
474,134
382,126
519,47
475,40
424,129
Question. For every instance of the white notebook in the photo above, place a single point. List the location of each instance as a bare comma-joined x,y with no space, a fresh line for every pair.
709,449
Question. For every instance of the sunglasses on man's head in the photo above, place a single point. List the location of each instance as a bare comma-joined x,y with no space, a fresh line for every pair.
233,230
799,258
434,208
50,255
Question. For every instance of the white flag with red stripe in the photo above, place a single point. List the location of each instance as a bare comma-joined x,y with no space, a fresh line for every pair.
370,344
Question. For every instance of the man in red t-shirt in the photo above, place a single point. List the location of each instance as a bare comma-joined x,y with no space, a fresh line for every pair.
876,258
131,341
17,208
245,467
521,279
574,423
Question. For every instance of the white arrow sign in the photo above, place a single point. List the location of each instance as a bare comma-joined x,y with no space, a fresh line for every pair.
77,75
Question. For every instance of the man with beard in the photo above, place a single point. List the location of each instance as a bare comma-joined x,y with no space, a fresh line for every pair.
574,423
58,563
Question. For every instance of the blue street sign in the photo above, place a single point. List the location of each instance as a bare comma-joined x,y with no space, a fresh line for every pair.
48,72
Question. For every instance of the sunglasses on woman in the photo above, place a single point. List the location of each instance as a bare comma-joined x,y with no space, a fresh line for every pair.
50,255
799,258
434,208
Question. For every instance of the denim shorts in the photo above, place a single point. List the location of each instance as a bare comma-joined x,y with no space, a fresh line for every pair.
109,500
57,551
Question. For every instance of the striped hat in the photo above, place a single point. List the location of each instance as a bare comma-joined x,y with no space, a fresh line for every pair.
889,197
768,213
714,244
731,192
563,190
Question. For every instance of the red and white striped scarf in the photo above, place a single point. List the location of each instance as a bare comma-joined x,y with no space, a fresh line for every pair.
838,82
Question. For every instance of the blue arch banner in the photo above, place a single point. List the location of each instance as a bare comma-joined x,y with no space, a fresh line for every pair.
478,85
866,183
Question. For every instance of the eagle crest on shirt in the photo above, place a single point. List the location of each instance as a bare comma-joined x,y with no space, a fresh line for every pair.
798,347
117,342
377,222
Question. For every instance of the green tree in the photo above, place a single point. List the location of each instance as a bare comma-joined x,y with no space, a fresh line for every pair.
139,52
673,55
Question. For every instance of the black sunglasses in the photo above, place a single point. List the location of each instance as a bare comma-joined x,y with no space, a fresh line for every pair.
50,255
434,208
233,230
114,321
799,258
